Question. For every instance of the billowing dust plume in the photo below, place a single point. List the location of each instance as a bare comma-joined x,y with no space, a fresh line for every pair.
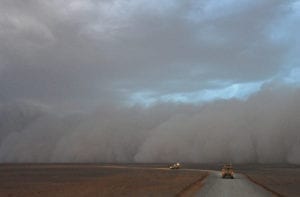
264,128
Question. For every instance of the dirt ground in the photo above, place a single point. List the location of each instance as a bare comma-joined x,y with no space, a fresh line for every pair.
20,180
282,180
55,180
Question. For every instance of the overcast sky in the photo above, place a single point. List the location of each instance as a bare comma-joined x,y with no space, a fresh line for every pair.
81,53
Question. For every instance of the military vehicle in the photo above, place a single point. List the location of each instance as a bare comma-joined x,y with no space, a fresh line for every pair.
227,171
175,166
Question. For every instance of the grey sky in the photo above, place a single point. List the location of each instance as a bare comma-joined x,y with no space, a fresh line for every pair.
95,51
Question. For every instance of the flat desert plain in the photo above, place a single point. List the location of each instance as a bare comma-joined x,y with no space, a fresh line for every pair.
282,180
76,180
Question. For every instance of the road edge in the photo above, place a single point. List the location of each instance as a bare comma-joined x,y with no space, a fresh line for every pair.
193,187
263,186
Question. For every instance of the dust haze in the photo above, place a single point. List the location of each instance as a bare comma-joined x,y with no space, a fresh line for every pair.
264,129
150,81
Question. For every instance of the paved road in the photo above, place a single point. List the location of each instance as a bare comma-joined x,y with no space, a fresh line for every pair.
215,186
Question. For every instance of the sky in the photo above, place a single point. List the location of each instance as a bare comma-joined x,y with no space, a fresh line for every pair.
86,58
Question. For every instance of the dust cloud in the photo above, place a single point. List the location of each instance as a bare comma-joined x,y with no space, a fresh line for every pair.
263,129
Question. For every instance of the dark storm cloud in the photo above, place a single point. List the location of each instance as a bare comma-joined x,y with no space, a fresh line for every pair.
52,50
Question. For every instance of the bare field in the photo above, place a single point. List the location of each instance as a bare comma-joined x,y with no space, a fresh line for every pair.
282,180
55,180
22,180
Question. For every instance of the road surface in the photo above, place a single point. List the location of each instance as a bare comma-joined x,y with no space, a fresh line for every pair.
216,186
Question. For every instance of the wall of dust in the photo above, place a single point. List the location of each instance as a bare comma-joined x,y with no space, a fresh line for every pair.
264,129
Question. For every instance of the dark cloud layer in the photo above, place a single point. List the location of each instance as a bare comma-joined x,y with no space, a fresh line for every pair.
60,60
96,50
